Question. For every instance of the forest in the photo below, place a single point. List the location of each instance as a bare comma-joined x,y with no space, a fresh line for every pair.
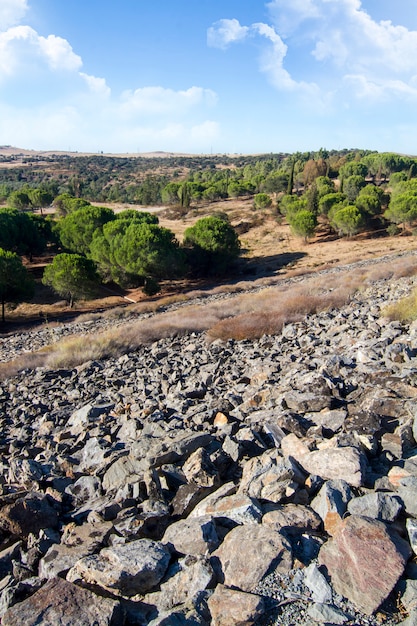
48,206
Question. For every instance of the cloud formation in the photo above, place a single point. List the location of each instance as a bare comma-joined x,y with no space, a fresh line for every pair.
70,107
369,58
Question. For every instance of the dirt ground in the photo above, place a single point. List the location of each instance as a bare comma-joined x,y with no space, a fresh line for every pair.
268,249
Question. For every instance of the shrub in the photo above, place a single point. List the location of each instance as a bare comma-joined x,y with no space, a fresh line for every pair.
212,244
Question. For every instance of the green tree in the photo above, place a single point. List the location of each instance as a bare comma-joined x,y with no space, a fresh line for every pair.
71,276
132,252
403,208
212,244
65,203
40,198
170,193
324,186
347,220
303,223
369,200
352,186
291,204
326,203
19,200
76,230
15,283
262,201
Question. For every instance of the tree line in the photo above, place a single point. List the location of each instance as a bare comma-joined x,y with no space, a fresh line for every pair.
94,246
345,190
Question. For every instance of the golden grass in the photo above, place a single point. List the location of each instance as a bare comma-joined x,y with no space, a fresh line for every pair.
247,315
405,310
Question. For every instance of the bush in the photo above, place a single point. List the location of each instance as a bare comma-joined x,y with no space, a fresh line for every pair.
212,245
393,230
262,201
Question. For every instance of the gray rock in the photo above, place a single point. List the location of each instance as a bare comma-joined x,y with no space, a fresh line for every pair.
326,614
407,490
321,592
133,568
263,547
347,463
183,581
60,602
331,503
381,506
195,535
411,525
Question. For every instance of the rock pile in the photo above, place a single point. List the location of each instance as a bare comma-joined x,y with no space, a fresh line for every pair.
224,483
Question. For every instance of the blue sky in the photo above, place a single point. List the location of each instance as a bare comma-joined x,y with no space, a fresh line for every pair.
220,76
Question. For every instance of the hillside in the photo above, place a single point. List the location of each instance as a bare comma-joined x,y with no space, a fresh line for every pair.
131,481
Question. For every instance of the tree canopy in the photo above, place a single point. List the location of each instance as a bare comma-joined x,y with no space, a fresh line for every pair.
213,243
15,283
76,230
71,276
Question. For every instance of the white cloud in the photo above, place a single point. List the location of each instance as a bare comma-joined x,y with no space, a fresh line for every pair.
160,101
97,86
272,62
59,54
287,16
11,12
224,32
21,47
67,108
346,41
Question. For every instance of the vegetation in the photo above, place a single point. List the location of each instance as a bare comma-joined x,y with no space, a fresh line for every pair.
15,284
405,310
213,244
72,276
338,192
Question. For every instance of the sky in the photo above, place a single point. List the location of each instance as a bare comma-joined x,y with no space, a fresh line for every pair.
208,76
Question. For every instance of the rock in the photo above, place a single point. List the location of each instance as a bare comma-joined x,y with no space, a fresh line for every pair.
326,614
411,525
407,492
195,535
268,476
330,420
84,489
183,581
212,499
28,515
61,602
263,548
238,507
331,504
293,446
337,463
292,518
321,591
76,543
302,402
409,597
355,557
132,568
199,469
229,607
381,506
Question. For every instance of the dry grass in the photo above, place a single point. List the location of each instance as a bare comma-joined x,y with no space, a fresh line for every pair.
241,316
404,310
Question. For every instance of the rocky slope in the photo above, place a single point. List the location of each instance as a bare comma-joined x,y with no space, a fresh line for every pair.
255,482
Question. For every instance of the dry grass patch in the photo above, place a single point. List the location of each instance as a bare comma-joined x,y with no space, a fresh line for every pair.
405,310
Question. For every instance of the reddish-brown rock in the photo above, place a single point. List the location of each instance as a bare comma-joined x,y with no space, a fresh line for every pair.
364,561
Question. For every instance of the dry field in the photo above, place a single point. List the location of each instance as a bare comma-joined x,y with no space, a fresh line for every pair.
269,251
